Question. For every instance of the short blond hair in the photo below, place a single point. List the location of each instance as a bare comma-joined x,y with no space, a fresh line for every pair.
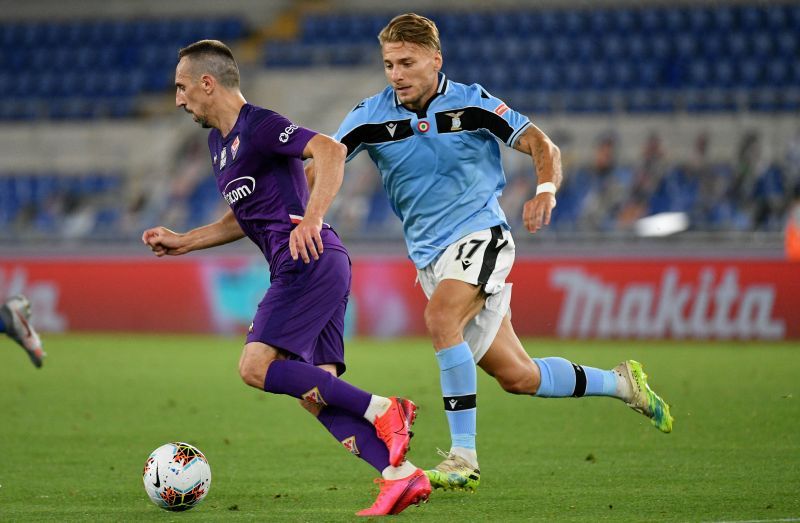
412,28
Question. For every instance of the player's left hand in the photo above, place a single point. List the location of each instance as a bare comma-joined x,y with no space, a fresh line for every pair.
537,211
305,240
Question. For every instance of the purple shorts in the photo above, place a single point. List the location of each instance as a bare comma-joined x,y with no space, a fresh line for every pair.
302,312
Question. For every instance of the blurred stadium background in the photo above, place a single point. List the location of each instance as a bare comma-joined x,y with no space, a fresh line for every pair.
689,109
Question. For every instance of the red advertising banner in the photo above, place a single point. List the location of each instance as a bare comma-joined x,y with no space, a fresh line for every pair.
569,298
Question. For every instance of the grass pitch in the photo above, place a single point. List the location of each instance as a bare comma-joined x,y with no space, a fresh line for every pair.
74,435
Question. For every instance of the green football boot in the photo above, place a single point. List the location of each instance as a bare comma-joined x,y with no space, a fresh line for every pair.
644,400
454,473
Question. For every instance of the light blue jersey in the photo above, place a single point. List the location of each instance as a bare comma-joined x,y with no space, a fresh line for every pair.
441,165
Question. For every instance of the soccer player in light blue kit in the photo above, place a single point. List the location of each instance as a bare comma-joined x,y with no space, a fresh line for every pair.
435,143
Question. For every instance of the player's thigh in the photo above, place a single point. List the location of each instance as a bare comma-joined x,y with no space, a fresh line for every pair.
509,363
454,301
470,269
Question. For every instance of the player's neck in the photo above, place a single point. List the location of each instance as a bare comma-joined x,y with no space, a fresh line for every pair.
422,103
229,110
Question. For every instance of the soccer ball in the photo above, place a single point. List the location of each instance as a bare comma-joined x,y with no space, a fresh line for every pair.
176,476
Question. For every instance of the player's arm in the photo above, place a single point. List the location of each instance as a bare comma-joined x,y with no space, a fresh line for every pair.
547,161
309,170
163,241
327,173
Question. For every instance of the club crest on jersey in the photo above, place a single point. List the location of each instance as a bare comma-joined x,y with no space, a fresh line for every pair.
423,126
234,148
350,445
313,396
223,158
456,125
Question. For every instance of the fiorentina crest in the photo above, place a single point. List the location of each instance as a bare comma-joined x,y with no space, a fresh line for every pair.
350,445
313,396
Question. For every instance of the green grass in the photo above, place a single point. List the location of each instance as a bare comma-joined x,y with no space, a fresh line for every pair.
74,435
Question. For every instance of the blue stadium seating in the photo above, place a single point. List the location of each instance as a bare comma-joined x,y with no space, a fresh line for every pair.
675,52
59,69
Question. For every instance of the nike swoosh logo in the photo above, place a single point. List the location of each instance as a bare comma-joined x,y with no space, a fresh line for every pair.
158,479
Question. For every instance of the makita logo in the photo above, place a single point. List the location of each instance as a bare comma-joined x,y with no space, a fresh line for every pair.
246,186
709,307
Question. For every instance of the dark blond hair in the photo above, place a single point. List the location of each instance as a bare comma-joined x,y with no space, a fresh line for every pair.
215,58
412,28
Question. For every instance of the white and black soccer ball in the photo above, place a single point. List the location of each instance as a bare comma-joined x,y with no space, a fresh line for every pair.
177,476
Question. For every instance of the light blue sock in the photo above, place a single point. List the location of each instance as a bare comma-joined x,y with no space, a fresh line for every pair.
459,385
562,378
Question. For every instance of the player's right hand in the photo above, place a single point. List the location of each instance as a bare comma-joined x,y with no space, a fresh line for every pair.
305,240
163,241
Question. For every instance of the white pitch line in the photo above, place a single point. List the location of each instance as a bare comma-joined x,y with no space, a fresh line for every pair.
780,520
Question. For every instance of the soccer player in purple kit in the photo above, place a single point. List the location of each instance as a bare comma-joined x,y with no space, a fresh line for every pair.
295,343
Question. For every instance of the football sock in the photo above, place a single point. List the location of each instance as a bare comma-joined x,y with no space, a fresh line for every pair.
2,325
562,378
459,381
357,435
304,381
403,471
378,405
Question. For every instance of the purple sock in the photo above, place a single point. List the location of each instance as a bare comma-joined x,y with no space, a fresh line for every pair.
304,381
357,435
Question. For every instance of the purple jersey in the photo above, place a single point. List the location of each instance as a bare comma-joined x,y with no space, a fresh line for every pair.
259,171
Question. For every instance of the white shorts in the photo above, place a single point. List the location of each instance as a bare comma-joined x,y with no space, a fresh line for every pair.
481,258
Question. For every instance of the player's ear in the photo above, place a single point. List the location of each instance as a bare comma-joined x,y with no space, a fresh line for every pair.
208,83
437,61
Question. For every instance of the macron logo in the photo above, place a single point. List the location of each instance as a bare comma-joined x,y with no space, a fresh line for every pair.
453,404
391,127
245,187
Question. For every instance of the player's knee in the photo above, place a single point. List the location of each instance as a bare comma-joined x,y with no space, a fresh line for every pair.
252,375
440,323
253,371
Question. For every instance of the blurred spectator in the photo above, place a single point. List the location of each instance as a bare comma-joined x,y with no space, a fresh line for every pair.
608,185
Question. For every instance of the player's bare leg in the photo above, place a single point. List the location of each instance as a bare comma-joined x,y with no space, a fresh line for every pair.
508,362
452,305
